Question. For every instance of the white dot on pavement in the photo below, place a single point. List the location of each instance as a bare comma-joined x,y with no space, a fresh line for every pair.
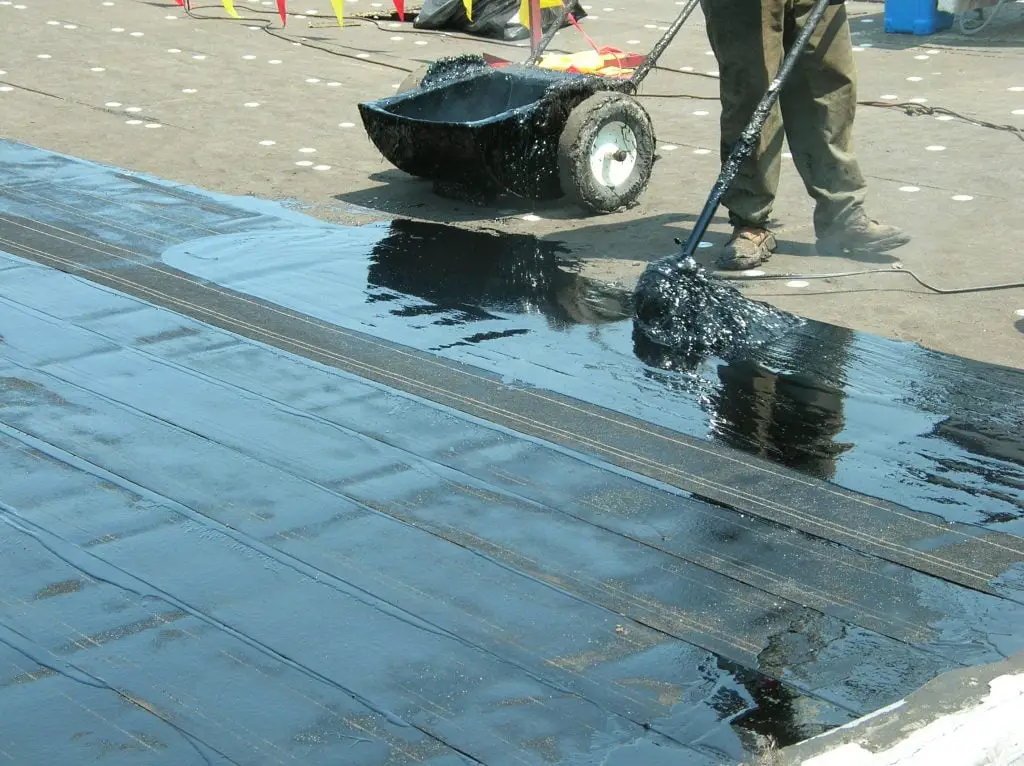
44,56
919,100
307,150
133,122
910,188
248,57
922,58
5,88
1017,111
133,109
113,104
333,84
396,38
312,80
701,113
702,151
274,61
753,273
945,117
174,50
117,29
321,167
914,79
935,148
53,23
669,148
97,69
153,125
188,90
1016,88
362,55
797,283
267,142
420,42
137,34
304,163
346,124
888,97
531,217
199,57
251,104
962,197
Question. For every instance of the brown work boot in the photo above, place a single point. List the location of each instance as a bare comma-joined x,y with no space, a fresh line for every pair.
748,247
860,234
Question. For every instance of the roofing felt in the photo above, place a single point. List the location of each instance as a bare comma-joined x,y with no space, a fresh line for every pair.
278,490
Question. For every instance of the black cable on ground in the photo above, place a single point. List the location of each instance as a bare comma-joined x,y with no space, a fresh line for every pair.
894,270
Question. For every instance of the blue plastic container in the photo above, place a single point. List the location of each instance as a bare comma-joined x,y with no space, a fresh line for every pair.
916,17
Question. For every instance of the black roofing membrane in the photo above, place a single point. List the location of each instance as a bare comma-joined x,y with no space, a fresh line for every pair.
275,490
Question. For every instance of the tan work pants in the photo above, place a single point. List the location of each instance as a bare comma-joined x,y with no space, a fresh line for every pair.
815,110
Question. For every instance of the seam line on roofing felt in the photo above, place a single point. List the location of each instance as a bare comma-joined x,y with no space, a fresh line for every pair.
366,597
25,646
104,571
405,383
799,594
111,221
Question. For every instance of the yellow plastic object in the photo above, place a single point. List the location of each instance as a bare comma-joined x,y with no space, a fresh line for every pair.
586,62
524,9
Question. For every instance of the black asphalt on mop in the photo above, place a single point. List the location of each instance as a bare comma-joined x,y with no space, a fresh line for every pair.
677,304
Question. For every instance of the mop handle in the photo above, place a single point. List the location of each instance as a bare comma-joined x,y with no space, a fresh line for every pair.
752,133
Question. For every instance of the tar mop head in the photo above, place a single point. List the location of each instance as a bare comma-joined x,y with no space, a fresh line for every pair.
679,306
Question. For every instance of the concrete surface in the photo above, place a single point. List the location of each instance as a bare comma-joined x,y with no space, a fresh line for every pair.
969,717
220,103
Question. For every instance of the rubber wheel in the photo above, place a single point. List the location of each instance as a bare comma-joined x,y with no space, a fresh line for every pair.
606,152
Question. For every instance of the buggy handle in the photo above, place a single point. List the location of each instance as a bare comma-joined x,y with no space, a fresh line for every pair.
651,60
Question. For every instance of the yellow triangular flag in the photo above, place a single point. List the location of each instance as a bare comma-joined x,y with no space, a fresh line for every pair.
229,6
469,8
339,11
524,9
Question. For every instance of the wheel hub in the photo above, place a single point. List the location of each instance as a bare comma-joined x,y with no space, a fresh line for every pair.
613,154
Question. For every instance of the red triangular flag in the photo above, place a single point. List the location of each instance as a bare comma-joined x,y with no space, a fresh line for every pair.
283,11
400,7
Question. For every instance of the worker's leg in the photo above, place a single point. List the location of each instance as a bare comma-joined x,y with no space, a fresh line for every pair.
818,105
746,37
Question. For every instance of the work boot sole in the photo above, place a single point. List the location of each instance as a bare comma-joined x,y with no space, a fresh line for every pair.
876,247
